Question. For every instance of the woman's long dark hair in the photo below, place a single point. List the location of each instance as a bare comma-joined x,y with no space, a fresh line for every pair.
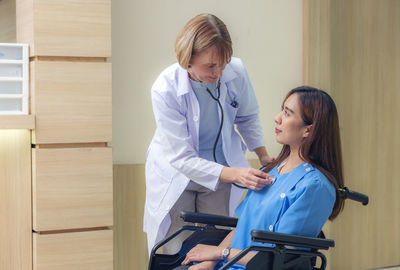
322,148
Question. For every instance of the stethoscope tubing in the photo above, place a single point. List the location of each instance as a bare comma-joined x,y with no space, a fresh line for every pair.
221,123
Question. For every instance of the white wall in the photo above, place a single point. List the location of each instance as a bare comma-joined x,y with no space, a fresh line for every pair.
266,34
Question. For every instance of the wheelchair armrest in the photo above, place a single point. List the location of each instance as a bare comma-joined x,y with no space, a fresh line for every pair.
208,219
291,240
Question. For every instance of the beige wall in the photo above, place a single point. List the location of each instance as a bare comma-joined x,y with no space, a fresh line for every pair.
267,35
7,21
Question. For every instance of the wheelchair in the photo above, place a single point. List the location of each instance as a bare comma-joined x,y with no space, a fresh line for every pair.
291,252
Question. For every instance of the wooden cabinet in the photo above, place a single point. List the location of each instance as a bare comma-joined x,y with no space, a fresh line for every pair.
70,96
15,200
71,101
65,28
91,250
72,188
17,122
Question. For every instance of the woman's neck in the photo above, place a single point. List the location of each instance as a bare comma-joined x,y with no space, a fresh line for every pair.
292,161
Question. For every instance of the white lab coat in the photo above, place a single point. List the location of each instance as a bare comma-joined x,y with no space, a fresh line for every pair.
172,158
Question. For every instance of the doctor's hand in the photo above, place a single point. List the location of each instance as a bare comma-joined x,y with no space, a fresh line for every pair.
264,160
263,155
249,177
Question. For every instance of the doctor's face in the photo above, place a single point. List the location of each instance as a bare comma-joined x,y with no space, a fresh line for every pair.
205,66
290,128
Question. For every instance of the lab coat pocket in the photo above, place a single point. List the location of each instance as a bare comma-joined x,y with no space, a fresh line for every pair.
231,111
157,186
160,166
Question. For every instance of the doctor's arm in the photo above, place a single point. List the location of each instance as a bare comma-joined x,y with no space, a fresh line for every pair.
263,155
248,123
180,152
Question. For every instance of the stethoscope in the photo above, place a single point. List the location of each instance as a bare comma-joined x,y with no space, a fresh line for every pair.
217,99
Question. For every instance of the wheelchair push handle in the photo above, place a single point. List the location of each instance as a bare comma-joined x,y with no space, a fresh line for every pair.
352,195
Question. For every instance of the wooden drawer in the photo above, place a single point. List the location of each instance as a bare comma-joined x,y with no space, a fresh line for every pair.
72,188
91,250
65,28
71,101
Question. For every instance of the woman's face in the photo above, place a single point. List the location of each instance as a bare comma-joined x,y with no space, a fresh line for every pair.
205,66
290,128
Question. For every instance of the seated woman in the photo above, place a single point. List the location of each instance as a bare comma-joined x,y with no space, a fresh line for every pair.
303,195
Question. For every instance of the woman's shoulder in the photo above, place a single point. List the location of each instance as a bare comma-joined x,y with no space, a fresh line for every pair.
316,179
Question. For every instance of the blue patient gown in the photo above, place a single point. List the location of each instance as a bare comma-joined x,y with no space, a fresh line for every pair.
298,202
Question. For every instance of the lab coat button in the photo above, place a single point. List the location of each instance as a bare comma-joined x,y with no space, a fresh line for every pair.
195,118
271,227
167,208
308,169
283,195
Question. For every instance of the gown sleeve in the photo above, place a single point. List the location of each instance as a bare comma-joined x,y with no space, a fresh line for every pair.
309,211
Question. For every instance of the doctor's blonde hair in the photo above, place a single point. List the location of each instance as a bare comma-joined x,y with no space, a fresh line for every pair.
200,33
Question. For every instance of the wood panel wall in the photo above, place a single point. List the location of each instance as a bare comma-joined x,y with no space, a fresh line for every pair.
65,28
71,97
130,242
363,62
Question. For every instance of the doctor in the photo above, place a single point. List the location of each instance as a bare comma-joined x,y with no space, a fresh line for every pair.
196,153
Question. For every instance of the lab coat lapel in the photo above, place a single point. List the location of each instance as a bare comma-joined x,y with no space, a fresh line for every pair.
183,83
186,93
194,117
228,75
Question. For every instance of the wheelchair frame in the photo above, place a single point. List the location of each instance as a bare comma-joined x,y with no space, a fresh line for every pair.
281,256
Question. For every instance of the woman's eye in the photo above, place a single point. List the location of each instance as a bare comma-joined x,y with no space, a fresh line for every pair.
286,113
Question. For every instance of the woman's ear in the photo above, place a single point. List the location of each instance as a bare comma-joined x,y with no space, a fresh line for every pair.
307,131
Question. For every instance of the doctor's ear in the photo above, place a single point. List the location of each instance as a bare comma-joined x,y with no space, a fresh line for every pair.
307,131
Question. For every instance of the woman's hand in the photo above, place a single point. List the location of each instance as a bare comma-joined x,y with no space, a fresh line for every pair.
207,265
203,253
